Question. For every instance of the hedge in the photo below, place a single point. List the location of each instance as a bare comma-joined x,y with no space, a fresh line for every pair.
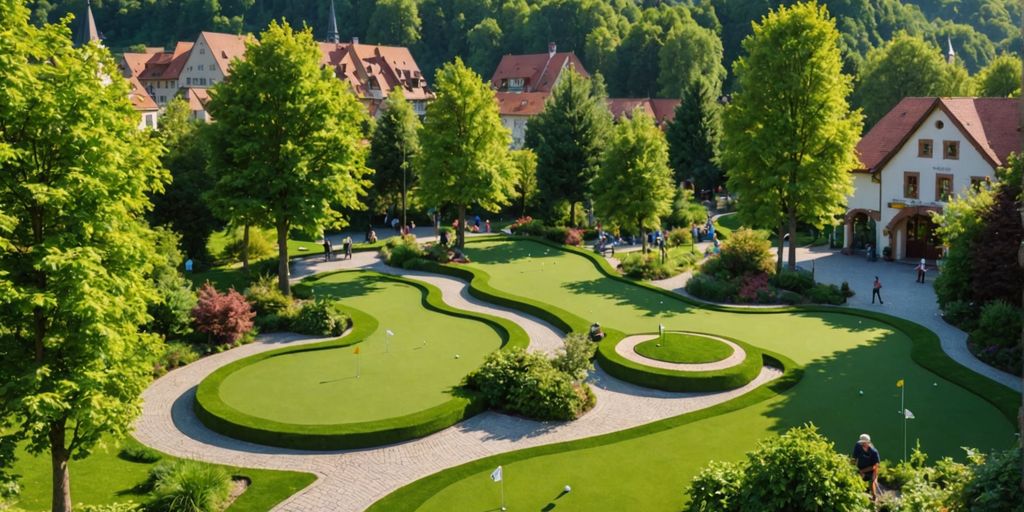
681,381
221,418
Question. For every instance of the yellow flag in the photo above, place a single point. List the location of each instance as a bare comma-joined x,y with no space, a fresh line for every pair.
356,352
899,383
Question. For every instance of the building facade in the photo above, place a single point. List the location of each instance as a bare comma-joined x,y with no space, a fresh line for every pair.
920,155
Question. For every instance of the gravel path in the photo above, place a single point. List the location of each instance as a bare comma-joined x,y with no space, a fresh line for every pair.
627,348
352,480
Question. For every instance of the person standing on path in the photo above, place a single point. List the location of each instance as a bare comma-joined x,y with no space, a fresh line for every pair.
327,249
921,269
877,291
866,456
347,243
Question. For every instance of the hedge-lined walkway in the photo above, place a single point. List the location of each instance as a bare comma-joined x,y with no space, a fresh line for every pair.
355,479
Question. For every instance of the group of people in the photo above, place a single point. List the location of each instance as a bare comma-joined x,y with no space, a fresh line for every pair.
346,246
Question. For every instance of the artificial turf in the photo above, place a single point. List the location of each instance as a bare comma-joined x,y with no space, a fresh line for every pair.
105,478
842,355
429,354
683,348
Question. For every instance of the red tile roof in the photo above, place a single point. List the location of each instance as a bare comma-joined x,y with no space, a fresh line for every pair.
662,110
521,103
539,70
225,47
132,64
167,65
141,101
197,98
992,125
387,67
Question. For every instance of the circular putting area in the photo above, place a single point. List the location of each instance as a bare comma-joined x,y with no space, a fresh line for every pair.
685,348
395,377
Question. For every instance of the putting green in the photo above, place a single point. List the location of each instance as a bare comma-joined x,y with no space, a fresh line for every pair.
413,370
649,468
684,348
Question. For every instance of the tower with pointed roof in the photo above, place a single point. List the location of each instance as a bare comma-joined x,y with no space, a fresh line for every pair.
332,27
950,54
87,27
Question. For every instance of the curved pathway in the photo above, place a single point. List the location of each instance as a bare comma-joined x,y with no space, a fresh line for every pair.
352,480
627,348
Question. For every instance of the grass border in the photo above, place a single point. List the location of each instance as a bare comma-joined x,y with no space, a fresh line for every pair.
224,419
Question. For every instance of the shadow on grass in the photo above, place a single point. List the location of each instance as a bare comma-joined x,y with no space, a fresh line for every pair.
355,284
623,294
509,251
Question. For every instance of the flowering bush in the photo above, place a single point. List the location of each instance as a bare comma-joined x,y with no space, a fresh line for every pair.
752,286
520,221
224,317
573,237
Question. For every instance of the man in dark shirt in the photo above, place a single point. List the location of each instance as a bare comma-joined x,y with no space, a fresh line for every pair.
865,455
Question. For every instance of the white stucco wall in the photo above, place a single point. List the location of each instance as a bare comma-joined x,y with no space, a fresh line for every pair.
162,91
201,69
517,126
865,193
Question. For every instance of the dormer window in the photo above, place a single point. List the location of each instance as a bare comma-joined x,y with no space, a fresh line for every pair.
516,84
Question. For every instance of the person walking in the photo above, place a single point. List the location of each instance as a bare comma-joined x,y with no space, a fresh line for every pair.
327,249
347,243
866,457
877,291
921,269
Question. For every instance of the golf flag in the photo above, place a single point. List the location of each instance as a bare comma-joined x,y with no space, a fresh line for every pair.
356,351
661,328
389,332
899,383
907,414
496,474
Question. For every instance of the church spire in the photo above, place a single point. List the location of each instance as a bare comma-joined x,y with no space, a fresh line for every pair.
87,31
950,54
332,27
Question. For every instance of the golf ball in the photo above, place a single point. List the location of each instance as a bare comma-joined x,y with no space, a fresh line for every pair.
456,356
861,391
567,488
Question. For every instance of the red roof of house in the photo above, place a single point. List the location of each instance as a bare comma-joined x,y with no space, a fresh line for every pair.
663,110
521,103
364,66
167,65
225,47
132,64
539,70
197,98
141,101
992,125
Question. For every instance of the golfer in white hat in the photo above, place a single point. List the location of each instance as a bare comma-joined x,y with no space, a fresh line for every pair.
866,457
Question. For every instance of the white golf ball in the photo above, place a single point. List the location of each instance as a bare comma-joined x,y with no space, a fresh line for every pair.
567,488
861,391
456,356
936,384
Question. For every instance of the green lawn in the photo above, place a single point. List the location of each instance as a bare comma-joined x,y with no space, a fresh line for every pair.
415,370
105,478
677,347
842,355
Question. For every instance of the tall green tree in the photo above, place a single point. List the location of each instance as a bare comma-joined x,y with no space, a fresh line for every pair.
465,157
789,134
904,66
181,205
636,62
568,138
395,22
634,186
691,54
485,40
286,142
394,148
524,162
75,249
693,137
1001,77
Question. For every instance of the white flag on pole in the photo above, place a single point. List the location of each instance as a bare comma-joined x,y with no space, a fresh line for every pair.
389,332
496,474
661,328
907,414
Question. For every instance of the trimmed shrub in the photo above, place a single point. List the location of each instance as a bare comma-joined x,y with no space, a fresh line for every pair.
139,453
790,298
685,211
961,314
321,317
709,288
1000,324
716,487
826,294
679,237
845,288
174,355
171,310
259,245
528,384
753,287
746,252
190,486
398,250
438,253
574,358
224,318
266,298
798,281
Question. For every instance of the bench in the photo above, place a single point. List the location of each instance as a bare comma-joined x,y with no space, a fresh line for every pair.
605,250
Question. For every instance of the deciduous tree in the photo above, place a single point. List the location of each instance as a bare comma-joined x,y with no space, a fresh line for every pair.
691,54
634,185
465,158
75,249
524,162
393,150
1001,77
395,22
286,144
789,134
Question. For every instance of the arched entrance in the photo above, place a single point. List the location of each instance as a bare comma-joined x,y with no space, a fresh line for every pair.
860,228
922,240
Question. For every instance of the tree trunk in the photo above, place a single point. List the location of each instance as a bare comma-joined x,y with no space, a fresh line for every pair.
643,237
59,458
282,257
460,234
245,247
792,239
572,214
781,233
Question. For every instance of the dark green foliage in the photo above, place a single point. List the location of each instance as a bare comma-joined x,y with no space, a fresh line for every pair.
1000,324
996,484
321,317
265,297
995,274
794,280
171,309
826,294
190,486
799,470
686,211
568,138
961,314
746,252
693,137
639,265
138,453
573,359
175,355
398,250
393,149
529,384
708,287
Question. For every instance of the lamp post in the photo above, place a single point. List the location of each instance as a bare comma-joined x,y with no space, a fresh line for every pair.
405,166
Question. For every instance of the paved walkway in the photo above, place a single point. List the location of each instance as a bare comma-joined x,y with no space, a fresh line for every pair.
352,480
627,348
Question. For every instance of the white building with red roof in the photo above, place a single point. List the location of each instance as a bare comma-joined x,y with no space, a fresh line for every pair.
374,71
921,154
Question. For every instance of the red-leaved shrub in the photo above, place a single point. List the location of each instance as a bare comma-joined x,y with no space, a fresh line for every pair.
573,237
752,285
225,317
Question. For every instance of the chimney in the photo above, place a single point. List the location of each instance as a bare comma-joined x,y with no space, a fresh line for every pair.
355,40
552,49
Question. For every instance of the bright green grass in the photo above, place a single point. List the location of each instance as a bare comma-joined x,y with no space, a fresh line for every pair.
677,347
842,354
104,478
320,387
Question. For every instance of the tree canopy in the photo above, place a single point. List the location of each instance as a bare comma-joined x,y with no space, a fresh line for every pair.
789,133
286,144
465,157
394,148
75,249
1001,77
693,138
